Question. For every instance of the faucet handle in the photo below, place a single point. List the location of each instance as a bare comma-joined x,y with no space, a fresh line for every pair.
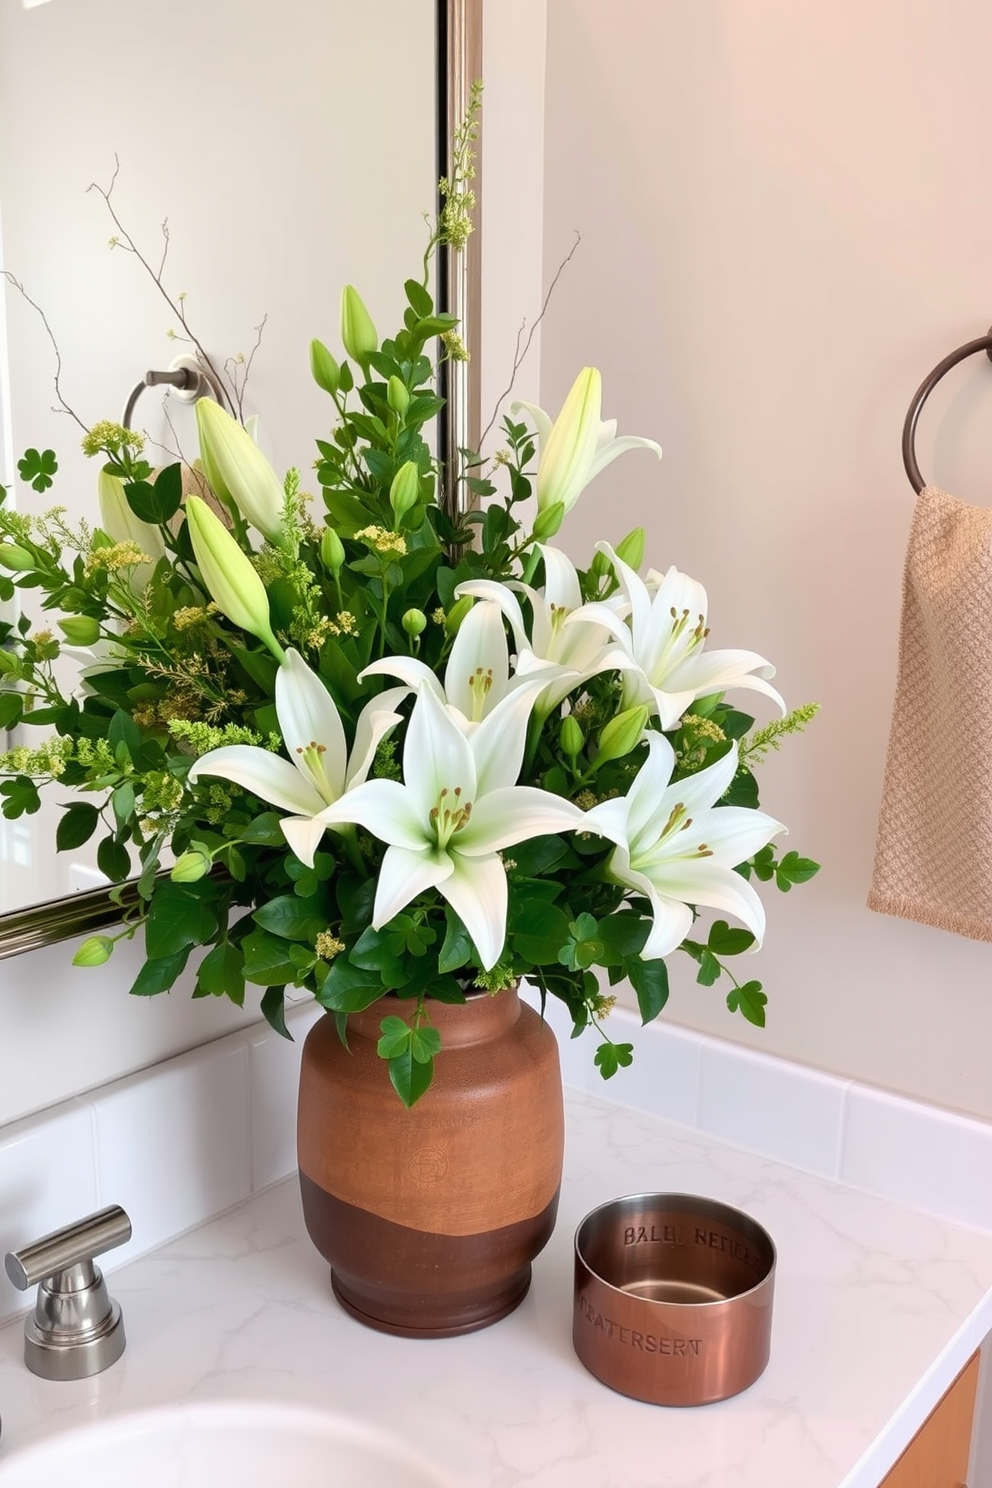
76,1329
70,1246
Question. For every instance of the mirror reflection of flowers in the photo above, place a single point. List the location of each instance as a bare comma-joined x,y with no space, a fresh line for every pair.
392,749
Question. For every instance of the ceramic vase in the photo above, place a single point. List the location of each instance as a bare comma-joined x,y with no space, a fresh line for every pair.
430,1217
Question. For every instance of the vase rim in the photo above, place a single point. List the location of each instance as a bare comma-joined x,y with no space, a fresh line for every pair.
482,1016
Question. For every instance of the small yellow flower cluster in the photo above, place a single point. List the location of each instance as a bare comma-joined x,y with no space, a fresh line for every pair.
455,347
161,793
344,623
327,945
497,979
381,540
438,616
600,1005
46,645
48,758
190,615
117,556
110,438
202,737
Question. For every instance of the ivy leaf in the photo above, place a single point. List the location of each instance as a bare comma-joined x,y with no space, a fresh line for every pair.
763,864
724,941
611,1057
794,870
750,1001
20,797
709,969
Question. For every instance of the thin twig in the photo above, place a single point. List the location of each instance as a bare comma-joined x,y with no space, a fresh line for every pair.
125,241
231,370
63,405
518,355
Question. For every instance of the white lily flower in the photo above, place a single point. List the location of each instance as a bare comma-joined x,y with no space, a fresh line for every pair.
458,806
568,653
663,638
678,848
578,444
319,769
477,674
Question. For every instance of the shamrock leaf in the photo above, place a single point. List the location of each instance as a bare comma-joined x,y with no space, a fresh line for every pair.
38,467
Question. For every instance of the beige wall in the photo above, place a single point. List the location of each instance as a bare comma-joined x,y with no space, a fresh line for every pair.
785,224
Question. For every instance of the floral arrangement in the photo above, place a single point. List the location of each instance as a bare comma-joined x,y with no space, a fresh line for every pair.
389,748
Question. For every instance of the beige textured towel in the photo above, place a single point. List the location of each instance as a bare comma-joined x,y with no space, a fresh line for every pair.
933,858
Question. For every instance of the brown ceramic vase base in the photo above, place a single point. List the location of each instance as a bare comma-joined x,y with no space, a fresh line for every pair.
430,1217
454,1331
417,1284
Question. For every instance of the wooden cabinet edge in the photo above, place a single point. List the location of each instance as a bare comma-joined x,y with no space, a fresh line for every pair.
937,1457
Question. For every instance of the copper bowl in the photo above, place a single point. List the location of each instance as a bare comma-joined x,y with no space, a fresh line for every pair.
673,1298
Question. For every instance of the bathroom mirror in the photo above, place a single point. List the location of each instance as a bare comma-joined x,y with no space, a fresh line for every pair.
257,157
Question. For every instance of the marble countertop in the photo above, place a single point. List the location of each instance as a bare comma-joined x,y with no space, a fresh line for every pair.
876,1310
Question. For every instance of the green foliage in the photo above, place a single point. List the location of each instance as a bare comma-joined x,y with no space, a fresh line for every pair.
372,569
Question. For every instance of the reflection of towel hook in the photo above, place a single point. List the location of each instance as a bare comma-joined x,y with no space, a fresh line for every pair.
190,379
983,343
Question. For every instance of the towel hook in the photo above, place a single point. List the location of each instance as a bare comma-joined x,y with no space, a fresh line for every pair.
926,387
190,379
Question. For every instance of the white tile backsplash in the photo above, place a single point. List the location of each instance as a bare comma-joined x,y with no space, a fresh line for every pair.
188,1138
174,1144
47,1179
920,1155
274,1070
768,1105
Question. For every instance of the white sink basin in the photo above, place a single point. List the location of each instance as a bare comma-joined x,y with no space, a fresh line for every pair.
247,1444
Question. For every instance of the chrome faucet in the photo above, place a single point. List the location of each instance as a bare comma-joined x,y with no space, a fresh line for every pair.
76,1329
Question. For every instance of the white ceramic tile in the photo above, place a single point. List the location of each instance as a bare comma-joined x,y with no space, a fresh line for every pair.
274,1071
47,1180
663,1079
920,1155
768,1105
173,1143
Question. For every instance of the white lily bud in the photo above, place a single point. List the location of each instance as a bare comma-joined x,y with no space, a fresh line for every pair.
358,334
237,470
231,582
622,734
404,490
119,521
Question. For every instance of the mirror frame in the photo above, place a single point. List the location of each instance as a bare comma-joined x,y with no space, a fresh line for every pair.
458,63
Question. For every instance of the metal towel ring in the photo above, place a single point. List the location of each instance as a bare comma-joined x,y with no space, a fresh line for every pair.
926,387
190,379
